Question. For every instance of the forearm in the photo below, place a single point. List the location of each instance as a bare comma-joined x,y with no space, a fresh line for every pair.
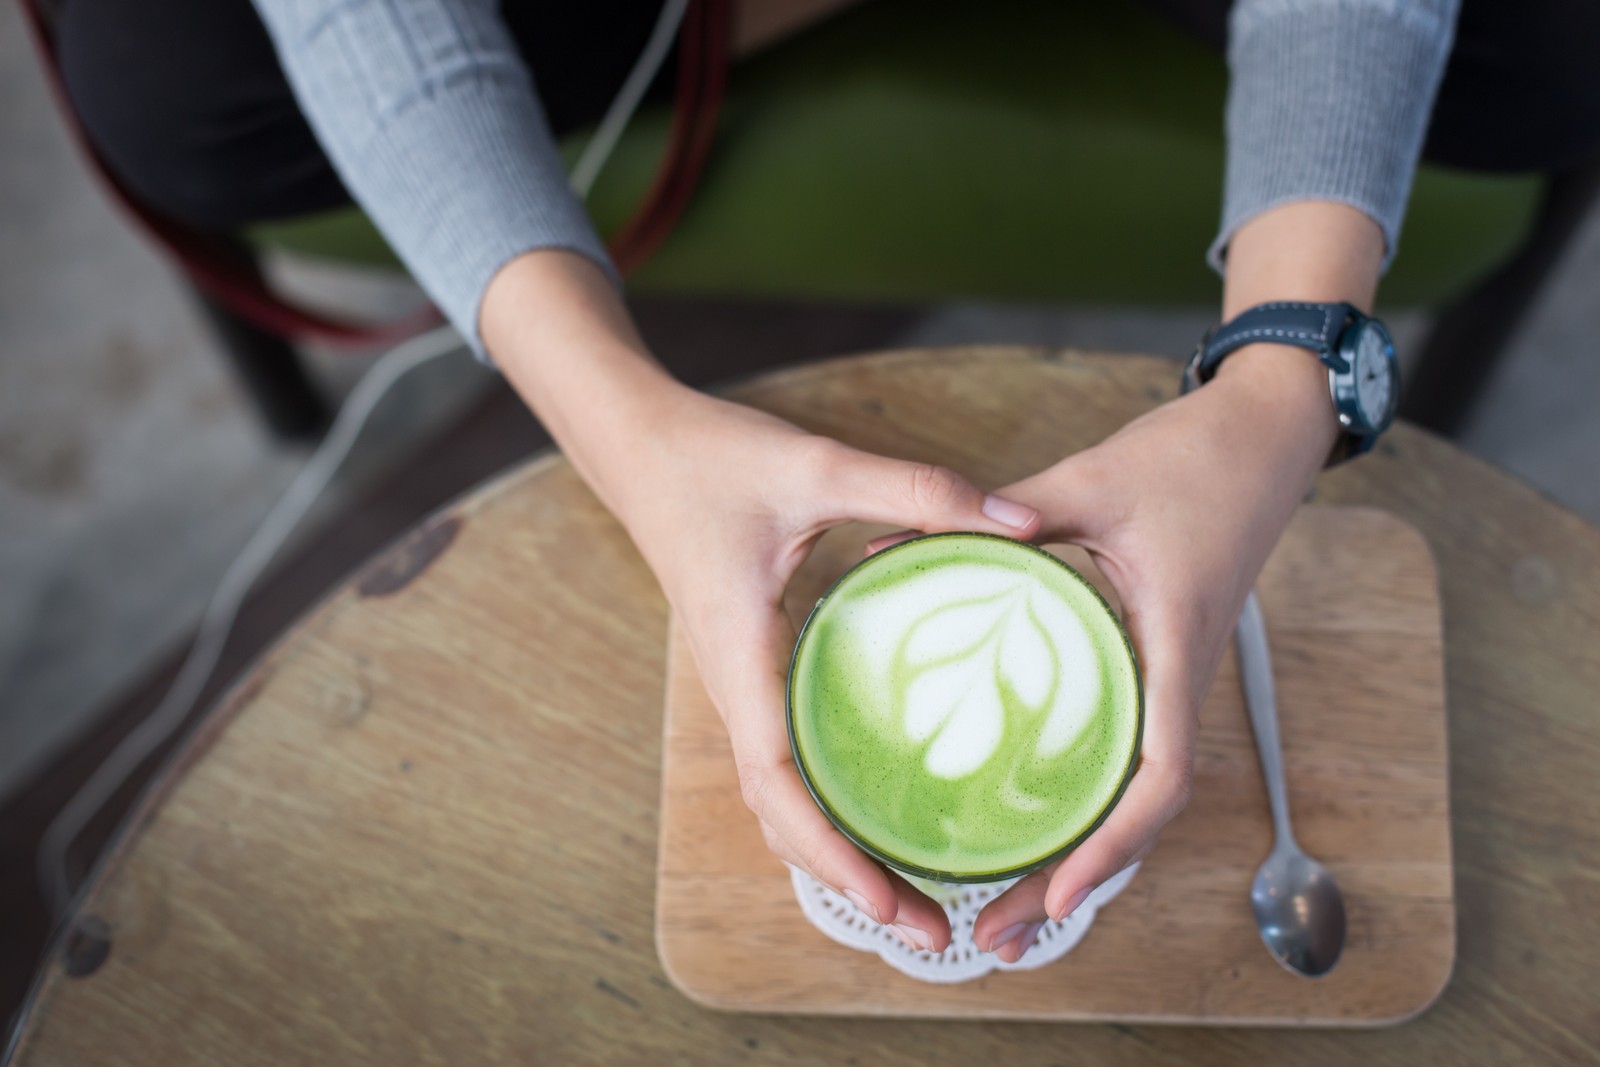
429,114
558,330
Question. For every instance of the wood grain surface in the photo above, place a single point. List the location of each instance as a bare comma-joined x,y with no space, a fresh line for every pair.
1352,610
425,829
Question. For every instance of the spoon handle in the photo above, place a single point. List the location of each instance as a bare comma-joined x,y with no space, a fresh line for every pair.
1255,673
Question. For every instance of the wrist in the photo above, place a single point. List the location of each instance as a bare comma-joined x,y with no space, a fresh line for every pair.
560,334
558,330
1316,251
1281,394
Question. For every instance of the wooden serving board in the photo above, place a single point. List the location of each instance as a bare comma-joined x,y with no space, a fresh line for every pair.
1352,608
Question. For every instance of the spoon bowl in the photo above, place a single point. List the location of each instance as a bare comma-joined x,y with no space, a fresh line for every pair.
1299,912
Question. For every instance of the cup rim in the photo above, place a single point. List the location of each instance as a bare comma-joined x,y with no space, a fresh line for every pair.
954,877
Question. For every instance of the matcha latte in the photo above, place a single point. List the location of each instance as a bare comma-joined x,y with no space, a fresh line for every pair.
964,707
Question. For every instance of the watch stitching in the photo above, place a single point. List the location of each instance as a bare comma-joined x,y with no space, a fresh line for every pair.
1327,311
1275,331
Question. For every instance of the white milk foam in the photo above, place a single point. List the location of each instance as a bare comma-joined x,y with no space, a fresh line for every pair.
979,630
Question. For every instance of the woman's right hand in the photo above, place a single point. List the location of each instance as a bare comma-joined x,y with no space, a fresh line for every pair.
724,502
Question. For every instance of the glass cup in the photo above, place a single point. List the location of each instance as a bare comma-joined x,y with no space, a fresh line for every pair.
1031,586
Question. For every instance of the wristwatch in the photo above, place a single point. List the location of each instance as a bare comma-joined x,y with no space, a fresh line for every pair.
1363,375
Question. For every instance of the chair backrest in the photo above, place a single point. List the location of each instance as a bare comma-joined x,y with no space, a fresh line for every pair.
225,269
214,265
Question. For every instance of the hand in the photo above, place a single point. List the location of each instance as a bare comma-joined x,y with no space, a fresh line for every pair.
1179,510
725,503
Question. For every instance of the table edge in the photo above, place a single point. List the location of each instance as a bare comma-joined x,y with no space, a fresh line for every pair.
195,741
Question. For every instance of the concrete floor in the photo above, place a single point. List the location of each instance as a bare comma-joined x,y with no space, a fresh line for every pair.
131,467
132,470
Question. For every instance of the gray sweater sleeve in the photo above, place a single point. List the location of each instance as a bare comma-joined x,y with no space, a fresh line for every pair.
1329,100
429,115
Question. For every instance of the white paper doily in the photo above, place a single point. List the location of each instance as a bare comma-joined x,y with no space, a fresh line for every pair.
963,960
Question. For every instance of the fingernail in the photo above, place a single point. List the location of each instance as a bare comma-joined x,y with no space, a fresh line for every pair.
1027,938
1077,900
861,902
1009,512
1004,937
920,940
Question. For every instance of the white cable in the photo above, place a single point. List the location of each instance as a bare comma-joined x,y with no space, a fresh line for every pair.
223,608
309,484
620,113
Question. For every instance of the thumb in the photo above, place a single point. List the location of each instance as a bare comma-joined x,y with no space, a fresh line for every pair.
1074,504
925,497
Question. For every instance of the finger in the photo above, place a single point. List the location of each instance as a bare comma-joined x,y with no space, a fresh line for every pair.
1155,795
922,496
1019,946
807,840
878,544
753,689
1009,925
921,922
1157,792
800,834
1012,912
1074,501
1166,626
780,800
918,921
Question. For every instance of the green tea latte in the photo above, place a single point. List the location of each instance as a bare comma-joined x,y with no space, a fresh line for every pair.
964,707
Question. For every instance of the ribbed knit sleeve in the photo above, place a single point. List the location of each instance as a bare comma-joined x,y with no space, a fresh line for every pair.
429,115
1329,100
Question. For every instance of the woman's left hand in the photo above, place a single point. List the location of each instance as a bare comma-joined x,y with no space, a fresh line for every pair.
1179,510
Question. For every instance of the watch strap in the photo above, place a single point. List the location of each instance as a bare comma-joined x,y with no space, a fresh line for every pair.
1312,326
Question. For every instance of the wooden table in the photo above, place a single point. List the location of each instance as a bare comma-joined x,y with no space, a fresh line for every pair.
424,829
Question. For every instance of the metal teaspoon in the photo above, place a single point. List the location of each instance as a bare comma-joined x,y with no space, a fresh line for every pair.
1299,910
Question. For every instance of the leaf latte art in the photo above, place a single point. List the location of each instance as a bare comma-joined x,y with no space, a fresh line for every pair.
964,706
961,662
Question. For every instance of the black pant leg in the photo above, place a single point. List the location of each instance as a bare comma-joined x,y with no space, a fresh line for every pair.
186,102
188,105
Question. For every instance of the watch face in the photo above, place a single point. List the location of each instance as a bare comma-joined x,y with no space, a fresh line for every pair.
1374,373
